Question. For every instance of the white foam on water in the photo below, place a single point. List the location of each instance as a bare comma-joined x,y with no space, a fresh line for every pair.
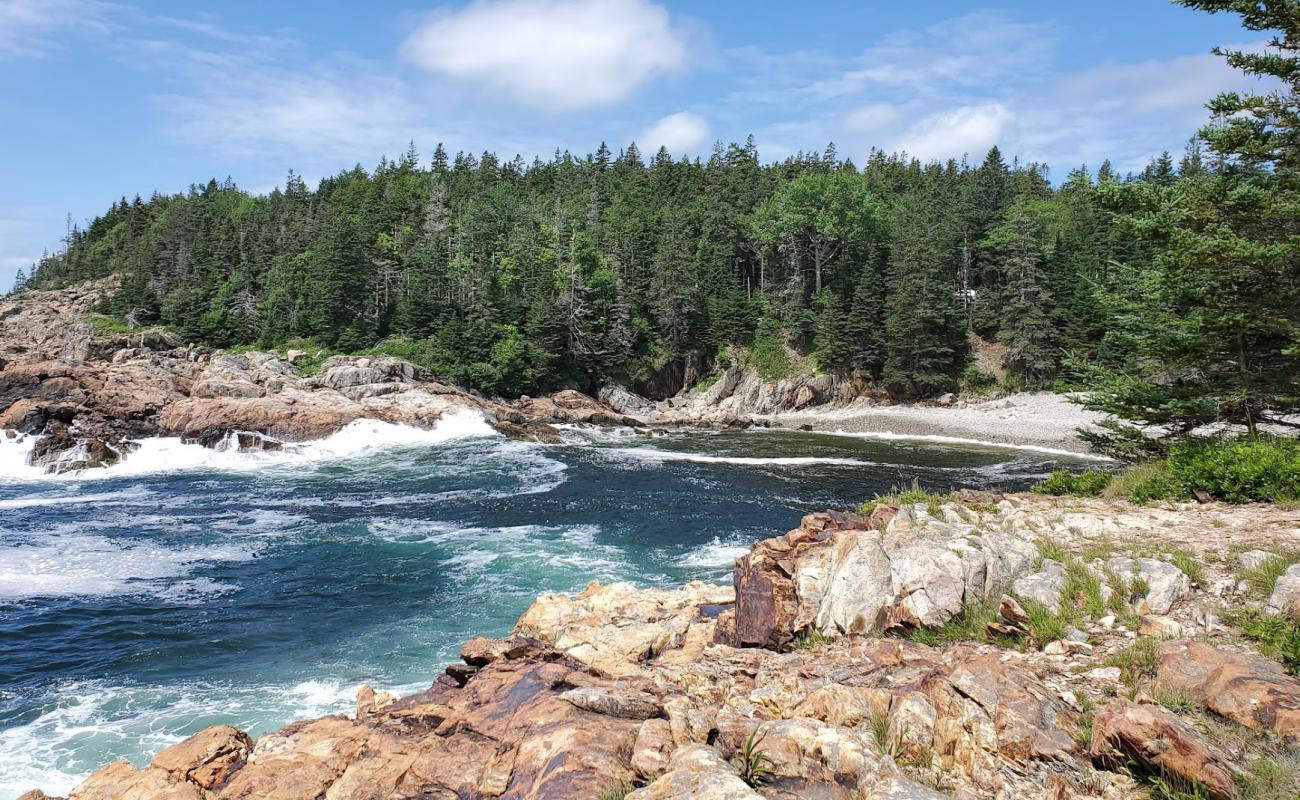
166,455
80,565
82,725
960,440
103,499
714,553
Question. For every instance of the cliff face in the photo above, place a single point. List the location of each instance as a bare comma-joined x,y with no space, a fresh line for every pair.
87,392
907,654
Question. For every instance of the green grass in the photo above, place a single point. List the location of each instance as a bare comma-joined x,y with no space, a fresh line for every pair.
1263,578
1137,662
1176,699
617,791
908,496
1044,626
971,625
1276,636
755,765
108,324
1190,567
1082,484
809,640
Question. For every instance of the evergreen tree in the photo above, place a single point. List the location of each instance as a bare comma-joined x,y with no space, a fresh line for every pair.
1212,320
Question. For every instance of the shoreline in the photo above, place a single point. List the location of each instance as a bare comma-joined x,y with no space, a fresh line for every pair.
1028,419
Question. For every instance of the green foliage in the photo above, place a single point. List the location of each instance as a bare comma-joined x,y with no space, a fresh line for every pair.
755,765
1243,470
1081,484
617,791
1263,578
890,743
1137,662
975,380
1277,636
768,352
1204,310
970,625
811,639
109,324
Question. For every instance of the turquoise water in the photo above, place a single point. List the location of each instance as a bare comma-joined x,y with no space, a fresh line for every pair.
186,587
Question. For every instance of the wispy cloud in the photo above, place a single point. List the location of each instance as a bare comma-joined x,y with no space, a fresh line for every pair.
31,28
551,54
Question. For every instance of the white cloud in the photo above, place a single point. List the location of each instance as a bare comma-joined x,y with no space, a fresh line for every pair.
960,131
1180,84
683,132
551,53
30,27
872,117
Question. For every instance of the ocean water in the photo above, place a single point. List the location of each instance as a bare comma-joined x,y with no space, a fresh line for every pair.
187,587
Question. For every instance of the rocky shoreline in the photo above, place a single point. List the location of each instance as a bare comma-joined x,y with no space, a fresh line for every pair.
87,392
947,649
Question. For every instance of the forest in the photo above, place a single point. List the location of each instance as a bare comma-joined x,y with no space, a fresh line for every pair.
1172,292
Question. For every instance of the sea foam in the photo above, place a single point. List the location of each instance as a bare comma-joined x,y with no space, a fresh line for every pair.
165,455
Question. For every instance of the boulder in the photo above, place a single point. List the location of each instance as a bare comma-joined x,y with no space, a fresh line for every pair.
1249,689
1044,586
1125,731
1166,584
616,628
1254,559
614,702
208,758
697,772
1285,597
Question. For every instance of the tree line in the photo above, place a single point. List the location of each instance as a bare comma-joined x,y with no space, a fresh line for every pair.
513,277
1171,292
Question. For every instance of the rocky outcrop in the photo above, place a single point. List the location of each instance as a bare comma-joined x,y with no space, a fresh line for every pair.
1161,742
1248,689
898,569
738,395
88,394
643,693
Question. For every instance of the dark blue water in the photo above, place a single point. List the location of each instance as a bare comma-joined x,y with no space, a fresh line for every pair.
188,587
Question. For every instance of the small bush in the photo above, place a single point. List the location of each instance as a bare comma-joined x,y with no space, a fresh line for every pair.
978,381
768,352
1262,469
1080,484
1044,626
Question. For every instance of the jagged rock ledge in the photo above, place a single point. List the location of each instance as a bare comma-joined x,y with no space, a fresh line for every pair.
89,393
826,671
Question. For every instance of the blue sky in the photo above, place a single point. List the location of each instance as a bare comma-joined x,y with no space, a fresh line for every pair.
102,99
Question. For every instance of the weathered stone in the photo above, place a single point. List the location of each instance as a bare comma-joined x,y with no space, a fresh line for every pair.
1161,627
1166,584
208,758
1250,689
1162,743
1044,586
1285,597
697,772
614,702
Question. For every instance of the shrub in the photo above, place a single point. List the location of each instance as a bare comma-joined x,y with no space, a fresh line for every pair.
978,381
1081,484
1261,469
768,352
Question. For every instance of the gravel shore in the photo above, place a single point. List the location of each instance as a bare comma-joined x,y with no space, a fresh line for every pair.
1041,419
